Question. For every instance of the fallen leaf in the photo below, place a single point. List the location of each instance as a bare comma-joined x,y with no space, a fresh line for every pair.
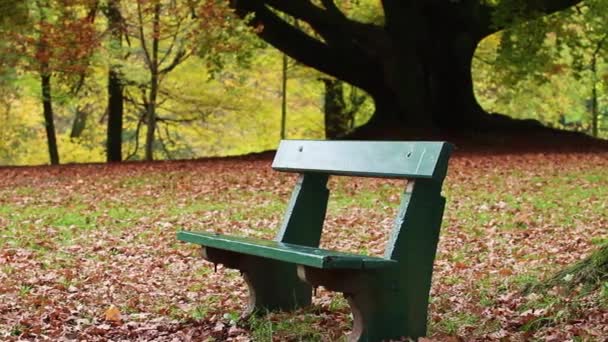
113,314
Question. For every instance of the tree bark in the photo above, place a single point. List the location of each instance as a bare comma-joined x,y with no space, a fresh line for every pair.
426,83
115,115
151,118
115,89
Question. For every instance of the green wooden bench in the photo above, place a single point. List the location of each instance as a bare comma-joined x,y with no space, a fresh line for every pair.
388,295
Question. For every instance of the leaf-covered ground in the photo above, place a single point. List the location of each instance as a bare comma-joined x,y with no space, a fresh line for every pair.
89,252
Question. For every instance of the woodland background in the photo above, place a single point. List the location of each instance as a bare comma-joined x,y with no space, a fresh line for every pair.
195,81
89,251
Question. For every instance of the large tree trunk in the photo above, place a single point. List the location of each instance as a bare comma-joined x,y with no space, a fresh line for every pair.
427,87
450,83
115,89
49,120
427,83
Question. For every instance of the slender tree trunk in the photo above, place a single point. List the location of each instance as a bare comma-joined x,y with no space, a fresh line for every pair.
151,118
115,115
80,121
284,98
594,111
49,120
154,80
115,89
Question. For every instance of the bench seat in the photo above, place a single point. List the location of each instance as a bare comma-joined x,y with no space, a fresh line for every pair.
296,254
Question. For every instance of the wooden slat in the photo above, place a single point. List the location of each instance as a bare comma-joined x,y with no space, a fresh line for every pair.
390,159
308,256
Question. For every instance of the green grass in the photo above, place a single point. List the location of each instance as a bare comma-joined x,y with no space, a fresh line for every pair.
197,207
451,324
299,328
557,199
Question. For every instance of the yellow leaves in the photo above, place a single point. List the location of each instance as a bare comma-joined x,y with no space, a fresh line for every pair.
112,314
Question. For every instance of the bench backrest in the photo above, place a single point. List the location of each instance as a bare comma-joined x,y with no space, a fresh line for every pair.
424,164
388,159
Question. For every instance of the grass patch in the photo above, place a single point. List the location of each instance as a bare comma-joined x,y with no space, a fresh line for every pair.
451,324
278,327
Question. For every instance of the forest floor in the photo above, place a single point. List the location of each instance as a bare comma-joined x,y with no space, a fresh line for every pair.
88,252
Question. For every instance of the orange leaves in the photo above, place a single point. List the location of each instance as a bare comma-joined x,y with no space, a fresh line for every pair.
70,43
63,38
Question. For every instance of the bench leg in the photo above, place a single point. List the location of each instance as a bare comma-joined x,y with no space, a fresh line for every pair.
273,285
381,309
381,316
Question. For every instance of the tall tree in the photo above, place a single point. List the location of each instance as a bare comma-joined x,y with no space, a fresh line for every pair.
42,51
162,31
59,41
416,64
164,34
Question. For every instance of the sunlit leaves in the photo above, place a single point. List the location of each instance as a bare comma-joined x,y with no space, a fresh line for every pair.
544,68
61,36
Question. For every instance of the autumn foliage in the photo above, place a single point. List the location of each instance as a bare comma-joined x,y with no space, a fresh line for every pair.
62,37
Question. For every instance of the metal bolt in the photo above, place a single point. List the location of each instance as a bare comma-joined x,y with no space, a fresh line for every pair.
301,148
409,154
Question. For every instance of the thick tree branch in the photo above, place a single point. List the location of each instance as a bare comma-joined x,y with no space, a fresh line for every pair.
533,9
546,7
348,64
335,28
325,21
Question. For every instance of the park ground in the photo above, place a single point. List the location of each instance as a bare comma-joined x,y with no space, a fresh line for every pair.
88,252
